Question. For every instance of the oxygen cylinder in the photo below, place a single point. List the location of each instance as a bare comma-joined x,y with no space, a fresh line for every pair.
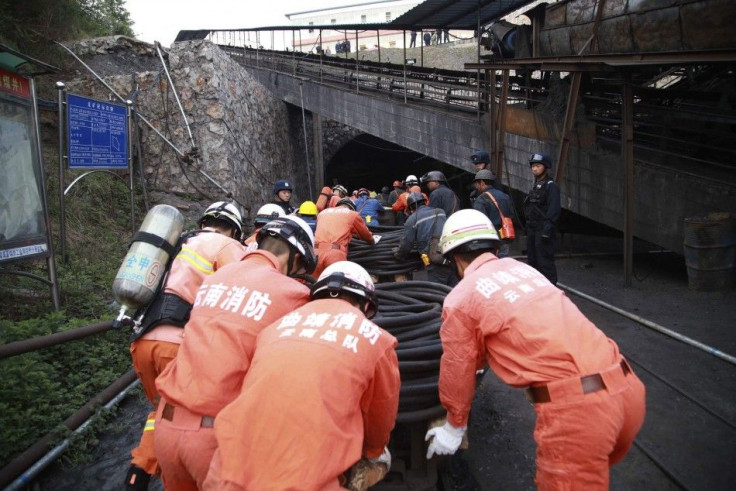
145,264
324,198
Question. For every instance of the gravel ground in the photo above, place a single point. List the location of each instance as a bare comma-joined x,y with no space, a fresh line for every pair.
693,448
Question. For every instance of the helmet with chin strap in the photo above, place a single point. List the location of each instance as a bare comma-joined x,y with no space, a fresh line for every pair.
299,236
347,276
225,212
466,231
266,213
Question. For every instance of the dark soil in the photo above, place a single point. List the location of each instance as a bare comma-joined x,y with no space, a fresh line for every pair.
683,444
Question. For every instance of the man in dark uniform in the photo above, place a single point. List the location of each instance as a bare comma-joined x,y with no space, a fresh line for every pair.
440,195
423,223
542,211
483,182
282,190
481,160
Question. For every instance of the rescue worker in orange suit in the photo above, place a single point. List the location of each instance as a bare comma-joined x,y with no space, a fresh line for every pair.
266,213
394,194
322,392
542,212
399,207
156,341
335,227
328,198
229,311
589,403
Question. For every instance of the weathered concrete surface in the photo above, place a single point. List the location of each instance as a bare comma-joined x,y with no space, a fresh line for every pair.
245,135
449,138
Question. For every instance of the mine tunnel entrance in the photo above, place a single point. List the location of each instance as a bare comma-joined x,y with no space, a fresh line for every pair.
370,162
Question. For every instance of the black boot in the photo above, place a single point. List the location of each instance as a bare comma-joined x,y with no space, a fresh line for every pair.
137,479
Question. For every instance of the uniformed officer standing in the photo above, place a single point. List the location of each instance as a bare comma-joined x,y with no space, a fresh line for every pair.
542,211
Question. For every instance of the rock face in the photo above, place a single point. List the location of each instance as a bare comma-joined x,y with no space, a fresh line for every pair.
241,131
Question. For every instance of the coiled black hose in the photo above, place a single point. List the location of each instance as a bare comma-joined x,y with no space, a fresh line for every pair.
379,259
412,312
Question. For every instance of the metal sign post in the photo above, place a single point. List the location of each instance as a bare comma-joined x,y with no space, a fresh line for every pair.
62,209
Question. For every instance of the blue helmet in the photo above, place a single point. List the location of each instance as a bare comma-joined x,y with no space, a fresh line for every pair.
480,157
540,158
282,185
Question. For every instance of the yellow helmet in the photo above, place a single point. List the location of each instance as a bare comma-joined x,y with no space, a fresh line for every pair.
308,208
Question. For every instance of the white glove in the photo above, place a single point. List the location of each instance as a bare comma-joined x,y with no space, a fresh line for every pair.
446,440
384,458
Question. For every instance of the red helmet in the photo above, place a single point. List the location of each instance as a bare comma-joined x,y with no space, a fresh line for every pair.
397,184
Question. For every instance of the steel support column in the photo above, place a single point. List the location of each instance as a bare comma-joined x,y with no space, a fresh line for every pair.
572,102
627,149
501,136
317,151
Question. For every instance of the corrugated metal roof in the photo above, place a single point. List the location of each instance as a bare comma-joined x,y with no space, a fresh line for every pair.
457,14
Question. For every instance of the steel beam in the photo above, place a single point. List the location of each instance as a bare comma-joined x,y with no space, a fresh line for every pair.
572,102
627,149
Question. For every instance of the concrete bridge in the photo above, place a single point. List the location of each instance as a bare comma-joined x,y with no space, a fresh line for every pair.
446,116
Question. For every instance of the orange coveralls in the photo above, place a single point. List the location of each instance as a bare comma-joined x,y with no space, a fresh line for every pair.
335,228
199,257
400,204
508,314
230,309
322,391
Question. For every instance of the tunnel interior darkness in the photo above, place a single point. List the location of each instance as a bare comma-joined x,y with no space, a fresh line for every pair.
370,162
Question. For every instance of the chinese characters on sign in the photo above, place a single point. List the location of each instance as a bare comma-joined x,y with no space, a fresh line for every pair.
14,84
98,134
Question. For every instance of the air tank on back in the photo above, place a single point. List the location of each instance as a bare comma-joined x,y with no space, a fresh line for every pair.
144,265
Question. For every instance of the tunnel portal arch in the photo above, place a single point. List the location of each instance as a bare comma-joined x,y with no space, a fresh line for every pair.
365,161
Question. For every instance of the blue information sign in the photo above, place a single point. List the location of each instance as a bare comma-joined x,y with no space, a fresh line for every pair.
98,134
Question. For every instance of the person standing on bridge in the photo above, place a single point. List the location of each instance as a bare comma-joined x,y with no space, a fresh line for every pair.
589,403
230,309
542,212
156,343
282,191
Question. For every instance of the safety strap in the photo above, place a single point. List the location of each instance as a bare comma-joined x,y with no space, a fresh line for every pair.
495,203
154,240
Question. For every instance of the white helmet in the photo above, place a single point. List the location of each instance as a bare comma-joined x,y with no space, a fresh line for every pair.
411,179
297,233
470,229
227,212
268,212
349,277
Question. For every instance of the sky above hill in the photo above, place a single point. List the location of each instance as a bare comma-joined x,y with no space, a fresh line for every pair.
161,20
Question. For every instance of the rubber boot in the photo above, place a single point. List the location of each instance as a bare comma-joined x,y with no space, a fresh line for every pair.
137,478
